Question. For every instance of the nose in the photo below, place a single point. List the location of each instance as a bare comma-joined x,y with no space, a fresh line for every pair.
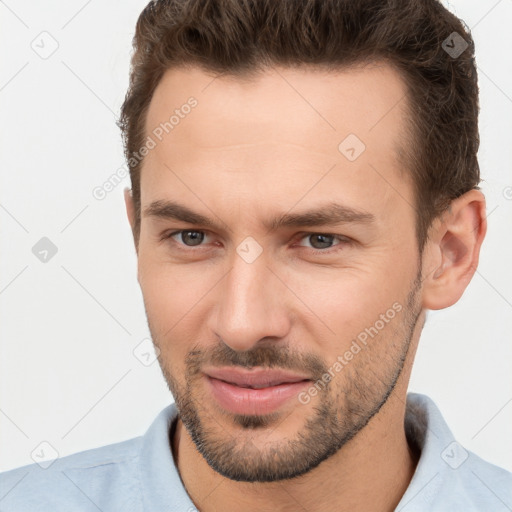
251,305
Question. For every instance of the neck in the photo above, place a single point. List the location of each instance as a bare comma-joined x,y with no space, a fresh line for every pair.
371,472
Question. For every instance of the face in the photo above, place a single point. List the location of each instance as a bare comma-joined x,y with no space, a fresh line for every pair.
278,260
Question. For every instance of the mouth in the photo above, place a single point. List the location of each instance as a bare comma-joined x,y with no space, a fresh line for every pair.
256,391
256,378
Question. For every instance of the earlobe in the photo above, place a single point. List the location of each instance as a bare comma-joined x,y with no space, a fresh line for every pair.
451,258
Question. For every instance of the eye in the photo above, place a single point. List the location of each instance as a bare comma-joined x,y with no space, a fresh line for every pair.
322,242
187,237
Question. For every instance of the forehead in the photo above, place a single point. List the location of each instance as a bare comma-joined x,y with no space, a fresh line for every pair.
279,130
369,101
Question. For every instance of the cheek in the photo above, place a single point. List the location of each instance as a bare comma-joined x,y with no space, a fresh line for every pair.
169,290
343,303
169,304
333,304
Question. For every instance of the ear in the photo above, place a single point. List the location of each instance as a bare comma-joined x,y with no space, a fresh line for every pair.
451,253
130,210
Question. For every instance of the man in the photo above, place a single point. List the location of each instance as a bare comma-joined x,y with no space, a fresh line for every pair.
299,200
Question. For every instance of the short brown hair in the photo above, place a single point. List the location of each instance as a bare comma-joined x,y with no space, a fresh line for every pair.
242,37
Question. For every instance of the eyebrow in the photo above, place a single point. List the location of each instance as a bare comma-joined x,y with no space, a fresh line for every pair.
322,215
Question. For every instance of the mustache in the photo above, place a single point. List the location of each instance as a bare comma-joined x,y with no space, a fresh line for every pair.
263,356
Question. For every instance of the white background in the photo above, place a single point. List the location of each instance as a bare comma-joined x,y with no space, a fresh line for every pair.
68,374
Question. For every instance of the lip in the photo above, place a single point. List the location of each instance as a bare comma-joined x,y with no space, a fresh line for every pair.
258,377
230,388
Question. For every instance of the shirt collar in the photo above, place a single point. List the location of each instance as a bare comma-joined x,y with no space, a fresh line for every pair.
161,483
424,426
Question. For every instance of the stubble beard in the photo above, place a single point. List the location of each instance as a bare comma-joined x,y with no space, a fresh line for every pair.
343,408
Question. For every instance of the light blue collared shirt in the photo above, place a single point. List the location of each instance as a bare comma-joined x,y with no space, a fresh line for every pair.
140,474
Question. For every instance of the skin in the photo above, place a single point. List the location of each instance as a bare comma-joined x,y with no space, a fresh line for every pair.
248,152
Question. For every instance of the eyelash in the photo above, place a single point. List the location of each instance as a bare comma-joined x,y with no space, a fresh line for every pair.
343,241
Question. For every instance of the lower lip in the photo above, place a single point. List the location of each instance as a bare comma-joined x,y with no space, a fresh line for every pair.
240,400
